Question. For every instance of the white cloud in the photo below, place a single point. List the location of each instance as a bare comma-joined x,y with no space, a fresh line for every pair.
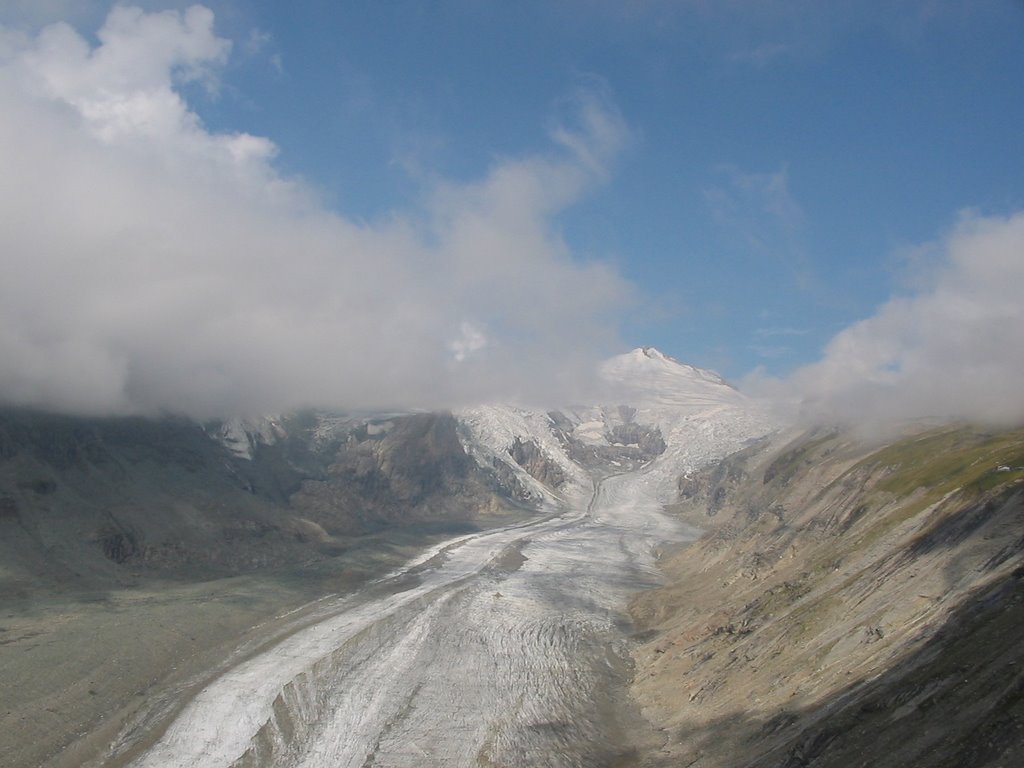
471,339
151,264
953,349
257,41
125,88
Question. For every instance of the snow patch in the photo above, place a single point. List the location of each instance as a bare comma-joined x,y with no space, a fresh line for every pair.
243,436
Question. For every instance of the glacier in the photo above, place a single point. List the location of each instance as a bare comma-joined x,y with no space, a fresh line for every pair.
497,648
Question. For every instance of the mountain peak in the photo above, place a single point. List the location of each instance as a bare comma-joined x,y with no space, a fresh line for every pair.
651,358
653,353
647,373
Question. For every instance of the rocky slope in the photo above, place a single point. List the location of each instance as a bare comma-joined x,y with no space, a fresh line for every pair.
848,605
86,503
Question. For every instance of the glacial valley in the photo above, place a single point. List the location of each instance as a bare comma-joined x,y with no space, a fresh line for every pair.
668,578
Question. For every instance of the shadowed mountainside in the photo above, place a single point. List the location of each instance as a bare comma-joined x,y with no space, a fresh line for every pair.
137,553
86,502
848,605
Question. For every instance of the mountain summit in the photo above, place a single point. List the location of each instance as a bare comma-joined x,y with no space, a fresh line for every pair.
651,411
647,373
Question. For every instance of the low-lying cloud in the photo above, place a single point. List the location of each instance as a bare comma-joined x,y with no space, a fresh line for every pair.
953,349
152,265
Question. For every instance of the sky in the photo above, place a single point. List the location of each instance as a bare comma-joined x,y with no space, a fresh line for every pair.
256,206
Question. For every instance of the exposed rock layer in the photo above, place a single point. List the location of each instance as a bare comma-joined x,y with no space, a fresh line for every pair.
848,605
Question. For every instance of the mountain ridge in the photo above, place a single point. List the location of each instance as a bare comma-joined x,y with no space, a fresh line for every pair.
846,599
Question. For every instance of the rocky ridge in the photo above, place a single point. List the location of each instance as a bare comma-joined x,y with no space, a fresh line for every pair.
849,604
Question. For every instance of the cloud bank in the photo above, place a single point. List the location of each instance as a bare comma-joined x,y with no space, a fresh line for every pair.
951,350
152,265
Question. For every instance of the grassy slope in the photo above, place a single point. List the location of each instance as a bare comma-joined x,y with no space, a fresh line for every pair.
849,605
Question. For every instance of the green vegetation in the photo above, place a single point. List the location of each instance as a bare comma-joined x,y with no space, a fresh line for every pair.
944,460
921,471
789,463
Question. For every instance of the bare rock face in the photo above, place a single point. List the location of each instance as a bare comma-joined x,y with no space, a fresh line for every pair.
120,545
624,445
8,507
528,455
414,471
848,605
706,492
90,502
647,439
85,502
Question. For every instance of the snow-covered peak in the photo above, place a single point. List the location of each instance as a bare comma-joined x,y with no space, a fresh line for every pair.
701,418
642,354
646,375
645,398
648,360
650,356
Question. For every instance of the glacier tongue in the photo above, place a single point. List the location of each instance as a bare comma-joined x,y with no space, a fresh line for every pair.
509,648
508,651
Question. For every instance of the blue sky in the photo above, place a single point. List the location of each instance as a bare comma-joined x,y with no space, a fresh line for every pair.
778,171
877,124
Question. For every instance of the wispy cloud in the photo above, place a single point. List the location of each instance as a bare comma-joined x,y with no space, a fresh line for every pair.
952,349
764,34
758,211
780,331
769,352
152,264
762,54
754,202
33,12
769,343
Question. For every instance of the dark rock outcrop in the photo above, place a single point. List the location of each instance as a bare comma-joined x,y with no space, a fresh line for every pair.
628,445
528,455
414,473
